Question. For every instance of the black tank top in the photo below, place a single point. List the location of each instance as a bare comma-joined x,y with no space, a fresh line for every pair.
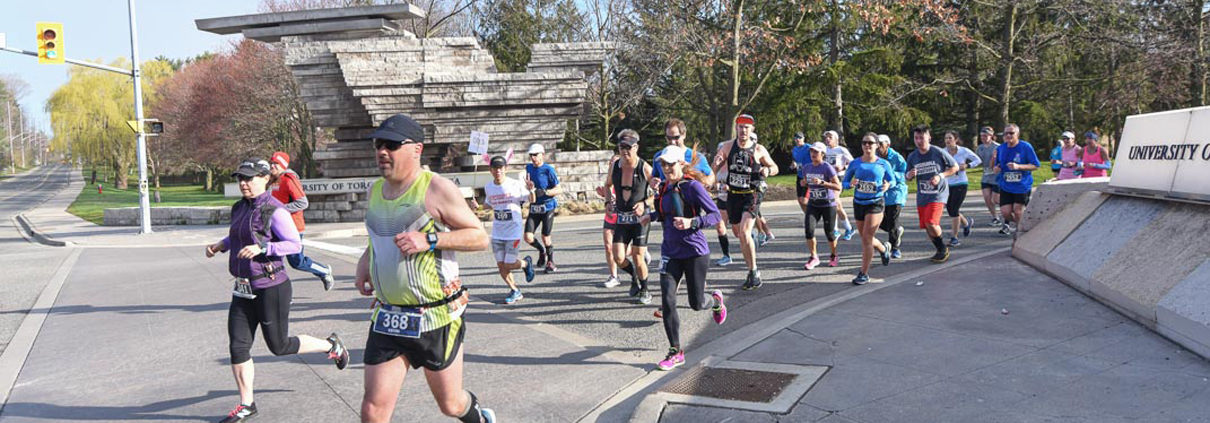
743,171
637,188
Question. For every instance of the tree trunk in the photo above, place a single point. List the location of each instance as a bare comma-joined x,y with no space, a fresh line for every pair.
735,66
833,59
121,179
1008,60
209,181
973,98
1201,74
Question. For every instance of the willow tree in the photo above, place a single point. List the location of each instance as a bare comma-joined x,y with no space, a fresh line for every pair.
89,114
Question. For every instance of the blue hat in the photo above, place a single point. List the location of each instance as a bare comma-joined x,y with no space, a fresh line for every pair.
1092,135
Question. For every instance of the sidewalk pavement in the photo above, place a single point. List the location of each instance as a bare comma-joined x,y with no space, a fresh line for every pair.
989,341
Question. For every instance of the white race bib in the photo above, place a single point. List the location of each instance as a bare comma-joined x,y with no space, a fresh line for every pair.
740,180
537,208
865,187
243,289
629,218
819,194
1012,177
503,215
397,321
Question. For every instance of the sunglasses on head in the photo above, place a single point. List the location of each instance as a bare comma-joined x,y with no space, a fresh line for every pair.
390,145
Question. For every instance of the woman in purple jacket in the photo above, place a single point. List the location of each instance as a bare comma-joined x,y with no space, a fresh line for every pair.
685,208
262,234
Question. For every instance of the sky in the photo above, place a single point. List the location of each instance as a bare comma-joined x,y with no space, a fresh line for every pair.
99,30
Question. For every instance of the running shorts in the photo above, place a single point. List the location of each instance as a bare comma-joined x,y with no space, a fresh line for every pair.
1007,198
930,214
738,204
546,220
633,234
434,350
506,250
861,210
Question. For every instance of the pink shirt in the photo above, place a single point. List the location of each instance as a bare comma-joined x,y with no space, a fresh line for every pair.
1093,157
1071,158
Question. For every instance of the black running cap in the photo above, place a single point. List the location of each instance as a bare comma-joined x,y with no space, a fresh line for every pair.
498,162
399,128
252,167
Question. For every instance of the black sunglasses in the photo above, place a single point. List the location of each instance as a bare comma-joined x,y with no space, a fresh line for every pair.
869,143
390,145
623,147
243,178
672,138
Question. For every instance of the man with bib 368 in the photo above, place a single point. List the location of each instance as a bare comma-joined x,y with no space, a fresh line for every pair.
416,220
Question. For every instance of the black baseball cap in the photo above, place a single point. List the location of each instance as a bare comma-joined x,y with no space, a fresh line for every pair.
399,128
498,162
799,135
252,167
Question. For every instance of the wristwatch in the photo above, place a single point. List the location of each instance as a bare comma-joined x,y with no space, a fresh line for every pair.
432,238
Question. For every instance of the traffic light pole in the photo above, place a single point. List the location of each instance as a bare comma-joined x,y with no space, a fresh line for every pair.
144,201
136,73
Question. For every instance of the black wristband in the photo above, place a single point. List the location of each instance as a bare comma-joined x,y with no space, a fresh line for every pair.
540,192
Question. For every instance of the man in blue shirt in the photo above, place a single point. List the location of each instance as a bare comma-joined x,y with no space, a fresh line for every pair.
674,133
930,166
543,183
896,196
802,156
1015,162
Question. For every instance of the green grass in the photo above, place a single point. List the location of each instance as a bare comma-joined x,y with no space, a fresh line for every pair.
975,176
91,206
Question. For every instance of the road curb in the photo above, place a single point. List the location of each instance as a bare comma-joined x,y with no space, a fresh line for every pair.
28,228
18,349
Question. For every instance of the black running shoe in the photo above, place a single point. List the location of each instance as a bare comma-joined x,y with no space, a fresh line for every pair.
886,257
338,353
550,266
941,256
634,288
541,260
241,413
756,282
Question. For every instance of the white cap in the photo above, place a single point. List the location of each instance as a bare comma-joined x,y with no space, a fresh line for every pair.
673,154
536,148
820,147
834,134
882,138
1068,134
754,137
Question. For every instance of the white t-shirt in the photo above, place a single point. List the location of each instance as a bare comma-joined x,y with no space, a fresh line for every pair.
839,157
506,200
965,155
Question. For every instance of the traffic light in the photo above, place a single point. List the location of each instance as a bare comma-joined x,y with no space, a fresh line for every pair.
50,43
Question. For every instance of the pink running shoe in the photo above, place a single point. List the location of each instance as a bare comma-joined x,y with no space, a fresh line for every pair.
675,358
720,309
811,263
834,262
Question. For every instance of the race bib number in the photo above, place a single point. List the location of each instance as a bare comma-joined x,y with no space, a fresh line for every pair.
830,160
504,215
819,194
740,180
663,264
243,289
1012,177
397,321
927,187
537,208
865,187
628,218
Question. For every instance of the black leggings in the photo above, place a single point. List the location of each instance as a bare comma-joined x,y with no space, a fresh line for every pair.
828,214
545,220
270,310
890,222
694,271
957,196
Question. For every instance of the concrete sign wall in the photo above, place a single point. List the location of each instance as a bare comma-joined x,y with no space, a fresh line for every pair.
468,180
1165,155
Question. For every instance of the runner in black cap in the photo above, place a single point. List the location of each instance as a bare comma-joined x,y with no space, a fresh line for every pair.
262,234
417,222
506,195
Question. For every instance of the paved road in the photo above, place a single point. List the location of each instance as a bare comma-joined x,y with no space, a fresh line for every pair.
27,266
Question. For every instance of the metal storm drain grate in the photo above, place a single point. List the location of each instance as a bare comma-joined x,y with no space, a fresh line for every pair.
731,384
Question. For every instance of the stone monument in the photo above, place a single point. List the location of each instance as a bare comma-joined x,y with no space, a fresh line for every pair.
356,67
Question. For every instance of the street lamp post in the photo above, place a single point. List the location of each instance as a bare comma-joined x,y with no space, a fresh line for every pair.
12,158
